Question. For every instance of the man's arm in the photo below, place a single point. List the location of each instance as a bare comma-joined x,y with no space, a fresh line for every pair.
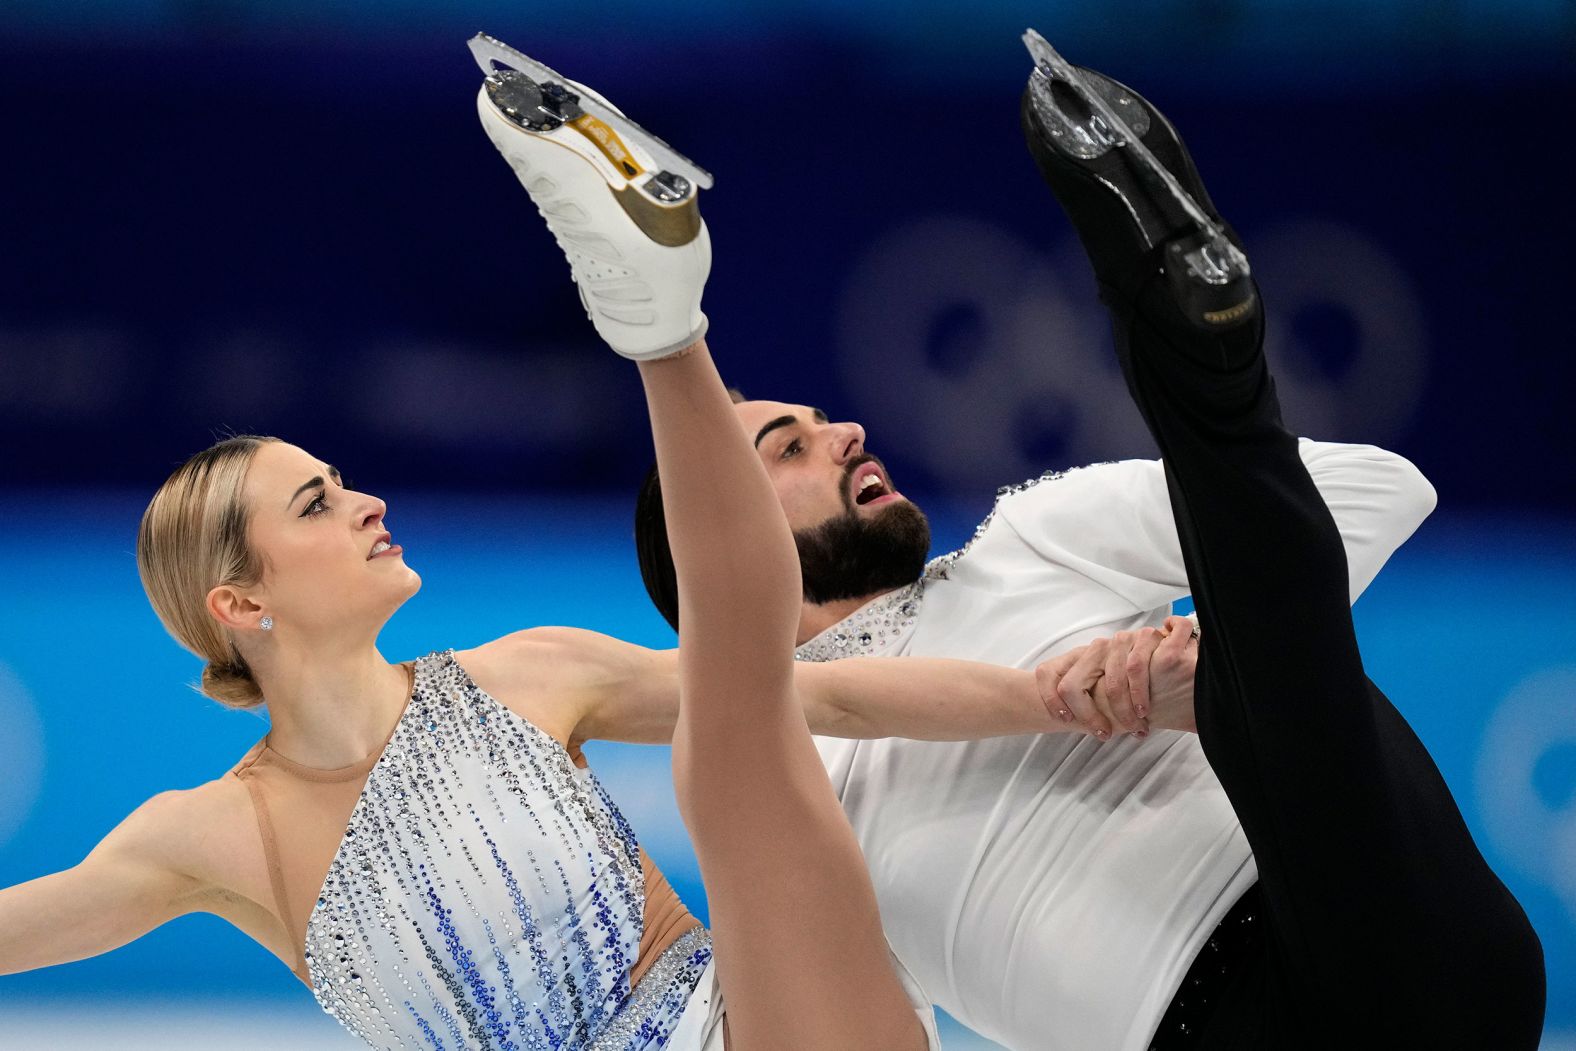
1377,498
1113,523
125,888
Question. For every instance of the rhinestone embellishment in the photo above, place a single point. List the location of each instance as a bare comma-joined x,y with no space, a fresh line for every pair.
881,623
874,628
938,568
488,894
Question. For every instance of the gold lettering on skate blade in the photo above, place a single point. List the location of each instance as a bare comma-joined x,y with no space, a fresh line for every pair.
607,140
1221,317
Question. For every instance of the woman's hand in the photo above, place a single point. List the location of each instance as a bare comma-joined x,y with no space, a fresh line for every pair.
1128,683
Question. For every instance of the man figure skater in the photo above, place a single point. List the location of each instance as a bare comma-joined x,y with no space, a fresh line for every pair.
1068,892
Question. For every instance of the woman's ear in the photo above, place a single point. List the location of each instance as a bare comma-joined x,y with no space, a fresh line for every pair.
234,609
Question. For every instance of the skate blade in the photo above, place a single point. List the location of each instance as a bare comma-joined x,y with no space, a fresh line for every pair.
1215,260
1085,136
605,127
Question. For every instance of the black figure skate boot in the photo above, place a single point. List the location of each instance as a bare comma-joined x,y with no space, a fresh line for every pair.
1125,180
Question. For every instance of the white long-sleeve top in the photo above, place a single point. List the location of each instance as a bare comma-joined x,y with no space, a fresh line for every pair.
1051,891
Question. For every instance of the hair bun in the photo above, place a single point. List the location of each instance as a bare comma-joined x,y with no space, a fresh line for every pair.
231,685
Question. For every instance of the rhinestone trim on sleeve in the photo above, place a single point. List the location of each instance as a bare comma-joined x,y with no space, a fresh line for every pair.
647,1020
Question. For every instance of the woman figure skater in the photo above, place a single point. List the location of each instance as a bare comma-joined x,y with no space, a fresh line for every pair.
1376,923
421,842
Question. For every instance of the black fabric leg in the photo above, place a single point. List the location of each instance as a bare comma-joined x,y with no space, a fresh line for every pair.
1384,926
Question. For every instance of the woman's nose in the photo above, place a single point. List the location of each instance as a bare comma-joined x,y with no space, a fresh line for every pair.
373,512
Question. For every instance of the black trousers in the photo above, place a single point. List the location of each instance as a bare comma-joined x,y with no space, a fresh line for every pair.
1382,925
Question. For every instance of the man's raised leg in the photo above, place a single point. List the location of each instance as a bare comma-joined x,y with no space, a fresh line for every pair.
1384,924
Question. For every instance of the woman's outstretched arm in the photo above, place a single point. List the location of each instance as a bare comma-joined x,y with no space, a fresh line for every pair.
126,887
624,692
627,692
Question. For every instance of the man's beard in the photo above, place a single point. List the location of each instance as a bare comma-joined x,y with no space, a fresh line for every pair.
853,557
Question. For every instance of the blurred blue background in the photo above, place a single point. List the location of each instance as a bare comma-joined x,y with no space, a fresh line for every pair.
282,217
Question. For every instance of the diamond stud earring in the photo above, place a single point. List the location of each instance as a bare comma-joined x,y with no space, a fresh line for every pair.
267,624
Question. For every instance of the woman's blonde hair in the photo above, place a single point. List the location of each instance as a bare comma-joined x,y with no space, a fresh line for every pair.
192,540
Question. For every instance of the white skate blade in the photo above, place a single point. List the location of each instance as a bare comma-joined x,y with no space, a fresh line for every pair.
491,53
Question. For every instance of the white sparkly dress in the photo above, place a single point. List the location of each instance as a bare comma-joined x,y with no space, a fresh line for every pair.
488,893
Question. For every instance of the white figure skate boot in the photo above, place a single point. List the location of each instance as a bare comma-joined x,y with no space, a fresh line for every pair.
619,201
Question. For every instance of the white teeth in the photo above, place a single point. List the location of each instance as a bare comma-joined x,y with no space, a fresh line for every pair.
870,479
379,547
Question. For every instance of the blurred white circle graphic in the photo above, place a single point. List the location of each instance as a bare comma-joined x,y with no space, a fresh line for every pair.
21,753
1329,269
958,337
1536,833
986,357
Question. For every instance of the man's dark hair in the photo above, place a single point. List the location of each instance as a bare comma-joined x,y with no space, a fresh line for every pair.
651,546
651,542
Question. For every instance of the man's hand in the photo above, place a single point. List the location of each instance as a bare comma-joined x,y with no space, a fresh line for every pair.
1128,683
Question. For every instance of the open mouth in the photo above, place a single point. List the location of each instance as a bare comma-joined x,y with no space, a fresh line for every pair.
870,484
383,544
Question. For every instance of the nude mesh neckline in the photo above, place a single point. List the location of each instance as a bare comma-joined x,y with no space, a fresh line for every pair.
360,767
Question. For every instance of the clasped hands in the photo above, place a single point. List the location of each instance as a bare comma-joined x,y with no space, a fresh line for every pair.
1129,683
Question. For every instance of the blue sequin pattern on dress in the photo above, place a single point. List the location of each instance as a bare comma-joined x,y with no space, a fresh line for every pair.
488,894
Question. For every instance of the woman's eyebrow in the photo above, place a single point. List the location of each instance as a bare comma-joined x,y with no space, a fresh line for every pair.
314,483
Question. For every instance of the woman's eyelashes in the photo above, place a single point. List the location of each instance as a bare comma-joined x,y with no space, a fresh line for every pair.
319,504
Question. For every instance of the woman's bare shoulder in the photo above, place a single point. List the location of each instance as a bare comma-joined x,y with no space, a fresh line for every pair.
580,685
549,657
199,832
195,849
548,674
541,645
